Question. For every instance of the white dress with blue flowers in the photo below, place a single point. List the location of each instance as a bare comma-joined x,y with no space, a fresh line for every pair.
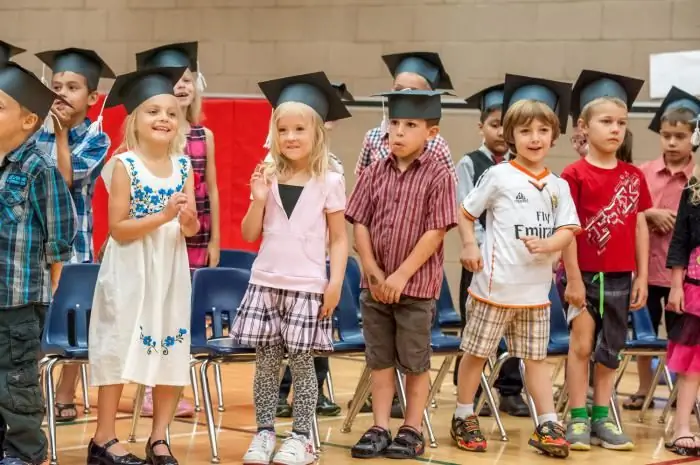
140,320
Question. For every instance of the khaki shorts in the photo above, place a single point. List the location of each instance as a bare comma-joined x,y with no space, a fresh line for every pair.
526,330
397,335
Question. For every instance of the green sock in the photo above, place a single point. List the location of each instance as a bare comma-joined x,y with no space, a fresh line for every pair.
581,412
599,413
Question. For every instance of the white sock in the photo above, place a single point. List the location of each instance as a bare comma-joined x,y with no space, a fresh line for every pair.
548,417
464,410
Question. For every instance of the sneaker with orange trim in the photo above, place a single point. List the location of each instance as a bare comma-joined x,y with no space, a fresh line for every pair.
550,439
467,434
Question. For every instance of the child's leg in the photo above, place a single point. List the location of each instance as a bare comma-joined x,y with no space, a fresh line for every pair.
107,404
165,399
65,393
383,389
577,363
417,389
268,360
305,392
687,395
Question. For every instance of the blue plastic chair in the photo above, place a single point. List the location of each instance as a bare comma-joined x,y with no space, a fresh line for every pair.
350,338
353,276
558,327
242,259
66,329
448,317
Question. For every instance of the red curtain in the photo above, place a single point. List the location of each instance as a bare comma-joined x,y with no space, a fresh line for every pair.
240,128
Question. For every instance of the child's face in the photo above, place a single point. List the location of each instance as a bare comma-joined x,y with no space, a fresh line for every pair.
492,132
675,141
185,90
407,137
73,88
296,135
14,121
158,119
607,127
410,81
533,140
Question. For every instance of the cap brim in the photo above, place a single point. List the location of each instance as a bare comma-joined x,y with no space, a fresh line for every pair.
49,59
674,95
119,94
631,85
474,101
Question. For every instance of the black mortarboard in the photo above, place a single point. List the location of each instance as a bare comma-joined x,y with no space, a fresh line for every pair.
343,91
314,90
87,63
414,104
7,51
675,99
591,85
27,89
490,97
555,94
172,55
425,64
132,89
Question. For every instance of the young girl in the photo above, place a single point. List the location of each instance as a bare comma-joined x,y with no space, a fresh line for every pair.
139,330
203,248
296,203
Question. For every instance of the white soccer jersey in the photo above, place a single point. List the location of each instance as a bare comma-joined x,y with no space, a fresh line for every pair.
518,204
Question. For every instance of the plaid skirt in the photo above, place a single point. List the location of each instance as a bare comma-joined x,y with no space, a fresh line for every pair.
269,316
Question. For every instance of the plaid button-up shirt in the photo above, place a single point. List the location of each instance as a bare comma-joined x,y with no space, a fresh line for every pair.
88,156
376,147
37,225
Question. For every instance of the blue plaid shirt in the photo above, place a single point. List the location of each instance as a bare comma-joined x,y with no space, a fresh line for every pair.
37,225
88,155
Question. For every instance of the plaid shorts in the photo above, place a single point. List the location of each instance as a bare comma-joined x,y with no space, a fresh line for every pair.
526,330
269,316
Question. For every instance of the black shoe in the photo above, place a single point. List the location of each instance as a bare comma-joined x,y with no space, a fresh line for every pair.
372,444
100,455
514,406
408,444
284,410
396,411
326,408
154,459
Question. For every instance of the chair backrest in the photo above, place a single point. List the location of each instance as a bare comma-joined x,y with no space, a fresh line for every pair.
642,326
346,314
215,292
242,259
353,276
558,327
68,318
445,303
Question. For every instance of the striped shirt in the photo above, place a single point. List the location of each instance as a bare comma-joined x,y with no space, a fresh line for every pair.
376,147
37,225
398,209
88,154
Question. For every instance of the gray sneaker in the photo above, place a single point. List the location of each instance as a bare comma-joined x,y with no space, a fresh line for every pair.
578,433
605,433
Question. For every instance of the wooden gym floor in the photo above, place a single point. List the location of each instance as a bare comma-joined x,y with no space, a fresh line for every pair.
237,424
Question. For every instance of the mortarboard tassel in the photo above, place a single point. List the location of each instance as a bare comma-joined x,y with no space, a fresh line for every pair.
384,127
96,126
201,81
695,138
43,75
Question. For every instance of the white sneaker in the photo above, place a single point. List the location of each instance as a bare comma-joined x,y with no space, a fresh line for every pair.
295,450
261,449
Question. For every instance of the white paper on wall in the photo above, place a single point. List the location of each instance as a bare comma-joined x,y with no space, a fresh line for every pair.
680,69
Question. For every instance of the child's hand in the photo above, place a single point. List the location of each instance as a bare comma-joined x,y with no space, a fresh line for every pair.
639,293
676,300
187,218
471,258
575,293
535,245
331,298
259,185
175,204
661,219
213,254
376,279
393,287
63,114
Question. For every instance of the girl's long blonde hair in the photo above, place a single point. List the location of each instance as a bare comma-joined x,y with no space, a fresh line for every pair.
193,114
318,159
131,137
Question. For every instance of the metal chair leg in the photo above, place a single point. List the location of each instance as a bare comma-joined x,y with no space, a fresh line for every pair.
426,412
439,378
615,408
316,436
652,389
138,406
209,411
492,404
51,408
667,408
195,385
493,375
364,386
530,400
219,387
84,380
329,384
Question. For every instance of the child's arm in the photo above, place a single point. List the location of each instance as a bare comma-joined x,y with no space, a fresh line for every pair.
88,157
679,254
338,254
124,229
213,190
470,256
575,293
676,298
252,224
63,154
641,248
189,224
375,275
55,273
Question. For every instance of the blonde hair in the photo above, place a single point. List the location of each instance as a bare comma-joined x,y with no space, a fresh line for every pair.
587,111
193,113
131,139
694,186
522,113
318,159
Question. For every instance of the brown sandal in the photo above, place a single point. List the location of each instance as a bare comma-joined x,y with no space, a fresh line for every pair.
682,450
62,408
636,402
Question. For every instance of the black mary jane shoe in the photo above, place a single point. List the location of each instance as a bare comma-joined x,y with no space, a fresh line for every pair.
100,455
154,459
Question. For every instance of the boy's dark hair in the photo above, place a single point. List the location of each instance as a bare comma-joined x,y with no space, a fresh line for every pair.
486,112
624,152
678,116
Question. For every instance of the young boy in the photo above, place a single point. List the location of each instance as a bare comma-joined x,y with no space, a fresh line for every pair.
493,151
610,198
401,209
80,153
411,70
530,216
37,227
666,177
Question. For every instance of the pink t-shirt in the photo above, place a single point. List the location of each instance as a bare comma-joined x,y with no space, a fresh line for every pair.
292,255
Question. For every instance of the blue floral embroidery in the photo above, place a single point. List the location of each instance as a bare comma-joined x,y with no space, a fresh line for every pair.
165,343
145,200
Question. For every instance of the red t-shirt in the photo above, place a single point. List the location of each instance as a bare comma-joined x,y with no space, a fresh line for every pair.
607,202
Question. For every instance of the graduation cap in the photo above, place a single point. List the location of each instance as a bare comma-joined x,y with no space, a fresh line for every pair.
7,51
485,99
556,95
414,104
343,91
183,54
425,64
132,89
87,63
27,89
675,99
591,85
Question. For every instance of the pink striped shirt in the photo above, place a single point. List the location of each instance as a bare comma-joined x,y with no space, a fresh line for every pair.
398,208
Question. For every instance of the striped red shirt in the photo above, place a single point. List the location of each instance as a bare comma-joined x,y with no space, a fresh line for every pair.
398,208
